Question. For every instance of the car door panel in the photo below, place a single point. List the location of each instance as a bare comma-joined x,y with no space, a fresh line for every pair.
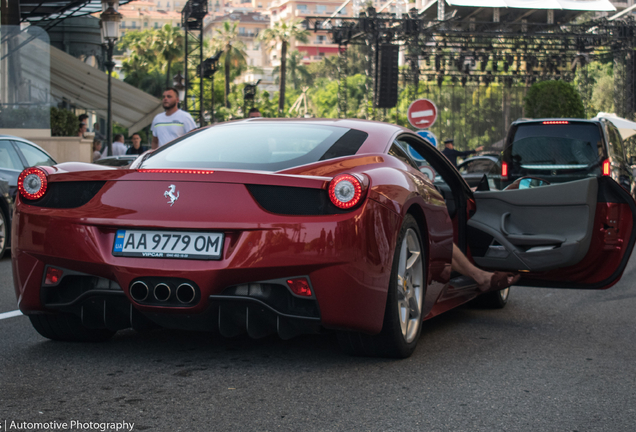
558,217
572,235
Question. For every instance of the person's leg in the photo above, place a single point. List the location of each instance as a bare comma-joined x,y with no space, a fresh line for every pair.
484,279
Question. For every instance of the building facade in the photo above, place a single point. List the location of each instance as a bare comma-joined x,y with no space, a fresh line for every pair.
251,24
150,14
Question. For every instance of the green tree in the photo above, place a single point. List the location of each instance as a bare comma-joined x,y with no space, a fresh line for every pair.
599,80
227,39
325,68
603,95
137,41
265,104
142,67
297,72
140,57
282,33
168,44
356,63
63,122
553,99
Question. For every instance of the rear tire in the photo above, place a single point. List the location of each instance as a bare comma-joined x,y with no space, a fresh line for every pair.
67,327
494,300
403,314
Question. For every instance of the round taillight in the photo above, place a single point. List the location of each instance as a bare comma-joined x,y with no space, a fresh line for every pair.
345,191
32,183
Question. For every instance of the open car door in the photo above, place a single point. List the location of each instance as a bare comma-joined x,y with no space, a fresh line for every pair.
578,234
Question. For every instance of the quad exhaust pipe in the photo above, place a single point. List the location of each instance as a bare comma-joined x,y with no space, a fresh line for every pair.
186,293
139,291
164,293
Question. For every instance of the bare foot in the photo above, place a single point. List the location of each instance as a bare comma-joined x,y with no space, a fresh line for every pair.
483,279
502,280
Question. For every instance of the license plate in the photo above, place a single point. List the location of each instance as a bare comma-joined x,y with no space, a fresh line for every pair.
168,244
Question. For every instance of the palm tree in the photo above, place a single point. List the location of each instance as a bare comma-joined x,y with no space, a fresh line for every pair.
283,33
138,45
227,39
296,70
169,46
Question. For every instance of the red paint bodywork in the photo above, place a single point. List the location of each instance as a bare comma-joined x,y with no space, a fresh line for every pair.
350,277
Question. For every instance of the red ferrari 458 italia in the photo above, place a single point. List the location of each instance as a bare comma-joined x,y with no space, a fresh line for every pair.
295,226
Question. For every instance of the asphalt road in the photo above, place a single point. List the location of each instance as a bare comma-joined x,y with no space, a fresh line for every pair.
552,360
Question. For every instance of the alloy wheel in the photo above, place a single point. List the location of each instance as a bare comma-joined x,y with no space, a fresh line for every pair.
504,293
410,285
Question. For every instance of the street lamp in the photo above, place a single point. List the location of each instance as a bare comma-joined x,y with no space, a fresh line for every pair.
109,24
249,92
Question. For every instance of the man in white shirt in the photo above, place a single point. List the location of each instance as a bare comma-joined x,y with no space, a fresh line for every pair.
171,124
118,147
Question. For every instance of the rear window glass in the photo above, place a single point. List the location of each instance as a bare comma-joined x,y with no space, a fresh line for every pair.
257,146
538,146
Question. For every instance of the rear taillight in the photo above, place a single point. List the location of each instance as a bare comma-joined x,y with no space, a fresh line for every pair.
345,191
32,183
504,170
556,122
606,167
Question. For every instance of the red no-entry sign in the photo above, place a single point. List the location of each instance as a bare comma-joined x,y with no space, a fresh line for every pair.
422,113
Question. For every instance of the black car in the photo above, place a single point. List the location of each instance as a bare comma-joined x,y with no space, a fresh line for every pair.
17,154
562,150
473,169
116,161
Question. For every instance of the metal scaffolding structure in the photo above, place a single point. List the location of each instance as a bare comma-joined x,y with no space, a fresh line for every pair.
192,21
342,82
511,52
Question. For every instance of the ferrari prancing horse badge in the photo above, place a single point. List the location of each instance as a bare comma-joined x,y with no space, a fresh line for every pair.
170,194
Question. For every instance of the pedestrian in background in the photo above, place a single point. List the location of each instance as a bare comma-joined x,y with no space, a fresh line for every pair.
97,149
136,148
173,123
82,130
97,133
118,147
453,154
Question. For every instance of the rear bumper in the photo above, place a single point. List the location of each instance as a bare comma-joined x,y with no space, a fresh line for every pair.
256,309
347,259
